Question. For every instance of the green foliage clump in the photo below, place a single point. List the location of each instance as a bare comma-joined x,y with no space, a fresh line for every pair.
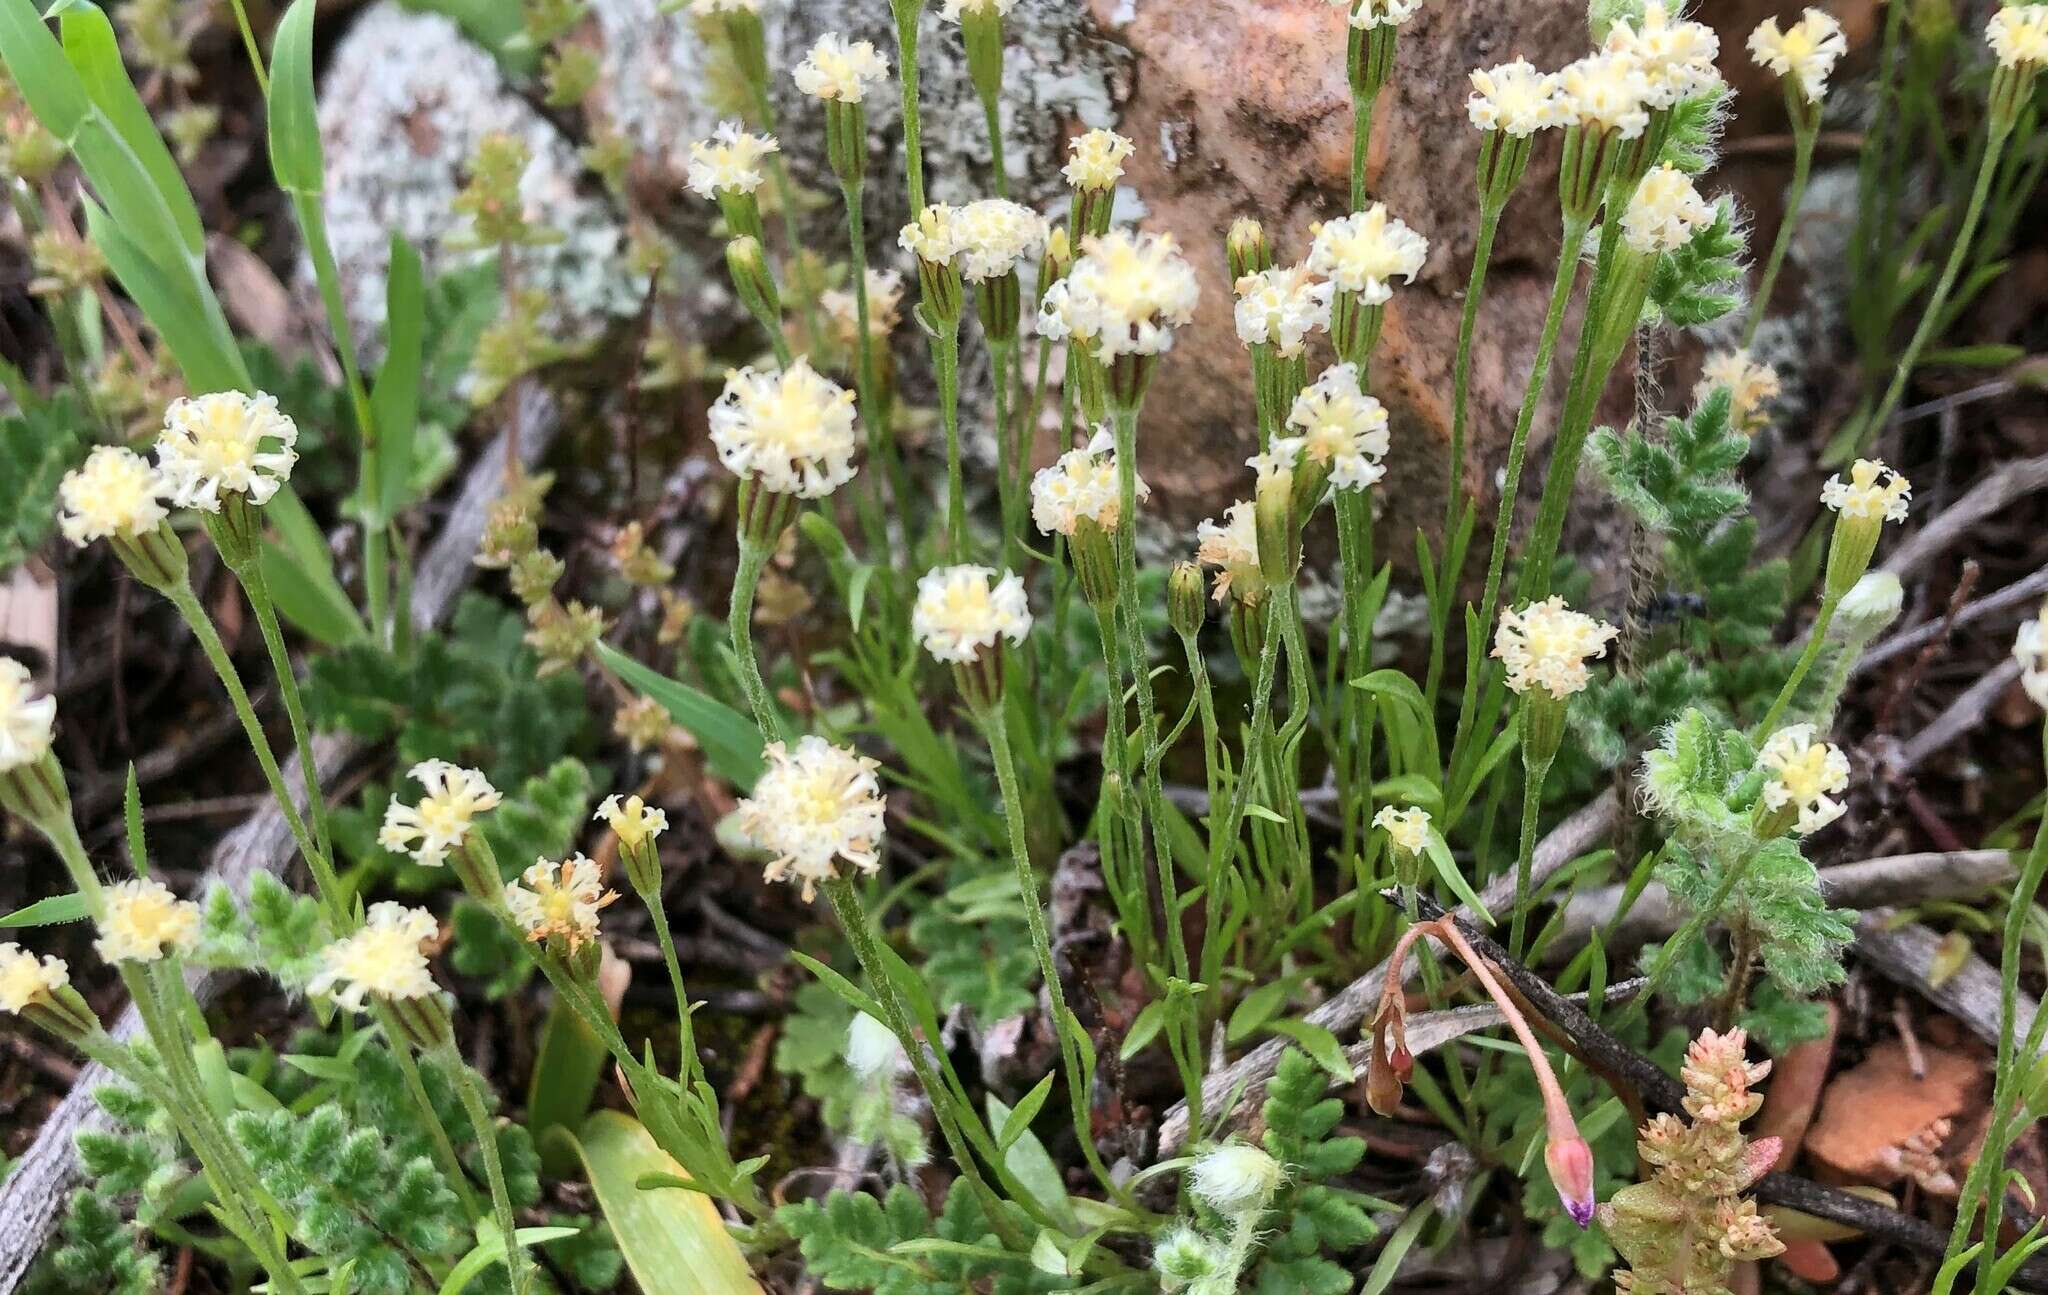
37,447
812,1049
1701,281
97,1253
1313,1220
854,1242
977,948
274,930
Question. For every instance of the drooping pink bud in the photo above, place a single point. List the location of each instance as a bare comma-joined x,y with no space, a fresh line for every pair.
1570,1162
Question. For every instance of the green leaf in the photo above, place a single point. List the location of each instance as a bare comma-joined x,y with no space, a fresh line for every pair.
1321,1046
1033,1168
295,158
51,911
840,985
570,1061
316,606
1151,1018
395,401
1258,1007
674,1241
1447,868
1018,1122
95,52
730,741
189,325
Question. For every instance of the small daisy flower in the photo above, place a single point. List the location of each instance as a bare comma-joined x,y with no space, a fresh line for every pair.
1514,98
873,1052
1235,1179
1806,51
1605,92
1362,252
1675,56
1408,829
1805,775
632,819
1095,161
112,495
2030,649
994,236
142,921
26,979
1342,428
730,161
840,69
559,900
1126,294
382,959
1233,549
935,235
963,611
1873,493
791,429
959,10
1280,307
815,808
1546,646
1665,212
1368,14
1751,388
26,720
1081,486
439,823
2018,36
225,443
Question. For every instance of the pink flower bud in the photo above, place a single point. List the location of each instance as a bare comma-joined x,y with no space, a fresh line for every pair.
1570,1162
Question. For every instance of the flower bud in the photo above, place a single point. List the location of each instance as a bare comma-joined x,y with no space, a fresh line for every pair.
155,557
846,140
753,281
1570,1162
1869,608
1187,600
423,1022
1094,553
1250,251
1184,1257
1236,1179
1278,536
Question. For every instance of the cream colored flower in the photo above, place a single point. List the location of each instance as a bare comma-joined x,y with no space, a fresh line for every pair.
2030,649
956,10
381,959
1368,14
26,721
1665,212
1546,645
113,494
935,235
1280,307
1873,493
1235,1179
1514,98
429,830
1362,252
224,443
1806,51
1408,829
994,236
559,900
1233,549
2018,36
1095,161
1806,775
730,160
632,820
1126,295
837,68
142,921
26,979
885,308
1342,427
791,429
1675,56
1605,92
815,808
963,611
1751,388
1081,486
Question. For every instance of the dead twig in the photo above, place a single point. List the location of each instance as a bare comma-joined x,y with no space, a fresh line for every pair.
2013,481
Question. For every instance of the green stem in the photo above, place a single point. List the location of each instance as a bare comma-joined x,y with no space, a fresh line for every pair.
258,591
991,111
494,1170
1361,145
740,621
1525,856
867,387
659,911
907,12
945,346
254,50
1123,858
1814,639
1804,132
416,1088
1461,370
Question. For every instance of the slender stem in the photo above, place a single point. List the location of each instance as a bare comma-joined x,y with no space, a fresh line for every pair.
1689,933
255,51
740,621
1361,145
1525,856
258,591
873,416
945,346
659,911
1814,639
494,1169
416,1088
1461,371
785,202
991,110
1805,130
1123,858
907,12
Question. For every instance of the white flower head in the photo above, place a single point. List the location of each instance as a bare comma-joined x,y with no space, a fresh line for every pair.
994,236
1675,56
1806,51
1095,161
225,443
730,160
439,823
873,1052
1408,828
2030,649
1081,486
1362,252
1342,427
790,429
1235,1178
934,236
1546,645
1368,14
559,900
1665,212
1873,493
963,611
26,979
1126,294
837,68
957,10
382,959
1805,774
1751,388
815,808
1605,92
113,494
1232,547
1514,98
632,820
1280,307
142,921
2018,36
26,720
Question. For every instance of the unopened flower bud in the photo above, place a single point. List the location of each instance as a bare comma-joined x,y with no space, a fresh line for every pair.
1250,251
753,281
1279,537
1570,1162
1187,601
1869,608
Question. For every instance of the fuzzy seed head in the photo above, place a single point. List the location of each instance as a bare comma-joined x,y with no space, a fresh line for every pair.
1235,1179
225,443
815,808
963,611
792,429
1361,253
1546,645
730,161
383,959
873,1052
26,720
26,979
1874,493
1806,775
113,494
840,69
143,920
439,823
1806,51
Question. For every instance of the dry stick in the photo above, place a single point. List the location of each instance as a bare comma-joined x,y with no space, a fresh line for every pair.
2010,483
2025,593
1971,994
1963,714
34,1195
